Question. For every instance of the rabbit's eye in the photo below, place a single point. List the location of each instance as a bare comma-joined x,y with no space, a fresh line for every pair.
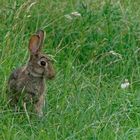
43,63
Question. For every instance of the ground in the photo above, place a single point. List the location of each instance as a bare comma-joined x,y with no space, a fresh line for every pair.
94,51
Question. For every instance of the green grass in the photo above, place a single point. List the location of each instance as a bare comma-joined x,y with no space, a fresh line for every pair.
93,55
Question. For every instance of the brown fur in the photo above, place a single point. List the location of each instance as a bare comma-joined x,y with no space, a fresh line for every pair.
30,79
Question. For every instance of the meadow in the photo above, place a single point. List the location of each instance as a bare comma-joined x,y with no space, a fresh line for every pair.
94,51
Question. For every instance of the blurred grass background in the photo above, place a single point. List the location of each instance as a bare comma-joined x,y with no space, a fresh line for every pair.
94,53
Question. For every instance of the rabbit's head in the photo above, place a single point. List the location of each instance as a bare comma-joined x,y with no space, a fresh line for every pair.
39,64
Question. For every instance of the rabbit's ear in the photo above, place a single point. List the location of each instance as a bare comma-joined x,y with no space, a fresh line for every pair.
34,44
40,33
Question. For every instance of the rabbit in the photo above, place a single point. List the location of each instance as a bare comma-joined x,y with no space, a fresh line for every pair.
29,81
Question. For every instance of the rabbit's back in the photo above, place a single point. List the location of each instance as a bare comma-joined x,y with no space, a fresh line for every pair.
12,81
21,81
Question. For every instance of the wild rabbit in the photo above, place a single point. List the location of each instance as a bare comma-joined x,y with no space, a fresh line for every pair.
29,81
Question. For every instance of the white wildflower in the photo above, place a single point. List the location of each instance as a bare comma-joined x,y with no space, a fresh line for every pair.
75,14
68,17
72,15
126,84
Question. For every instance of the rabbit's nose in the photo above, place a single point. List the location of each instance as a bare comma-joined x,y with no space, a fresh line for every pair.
43,63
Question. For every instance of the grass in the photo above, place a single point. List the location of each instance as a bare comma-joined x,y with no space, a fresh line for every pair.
93,55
